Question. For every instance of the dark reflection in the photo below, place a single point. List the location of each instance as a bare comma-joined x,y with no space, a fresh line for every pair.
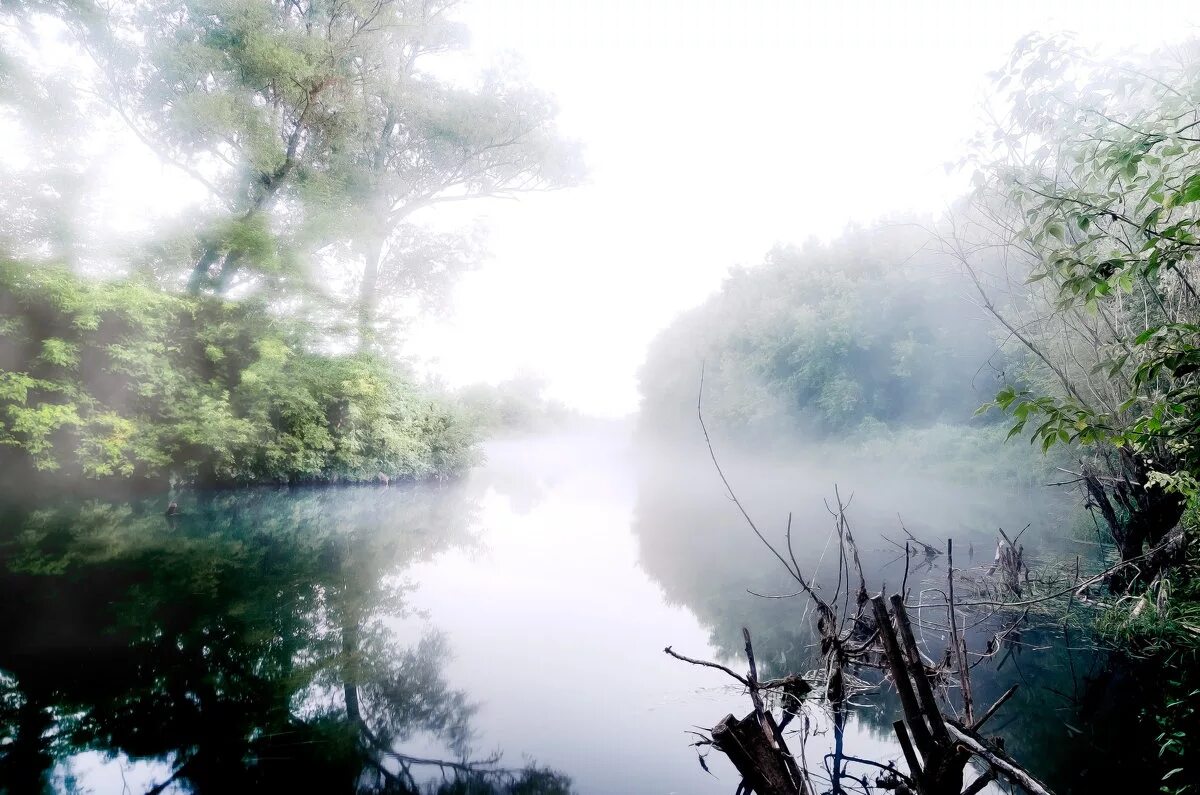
695,543
1080,719
254,640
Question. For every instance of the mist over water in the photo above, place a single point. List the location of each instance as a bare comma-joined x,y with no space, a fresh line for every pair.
389,389
542,589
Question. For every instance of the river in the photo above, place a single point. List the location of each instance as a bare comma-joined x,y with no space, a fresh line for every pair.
522,610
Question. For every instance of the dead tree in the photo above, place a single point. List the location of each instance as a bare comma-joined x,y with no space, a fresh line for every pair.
1010,561
755,744
936,748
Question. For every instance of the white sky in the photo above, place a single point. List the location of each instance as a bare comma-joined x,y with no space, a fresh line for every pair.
713,129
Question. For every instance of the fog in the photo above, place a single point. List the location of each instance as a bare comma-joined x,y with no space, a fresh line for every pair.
712,131
385,383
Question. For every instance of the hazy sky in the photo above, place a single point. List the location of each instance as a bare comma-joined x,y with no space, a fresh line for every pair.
713,129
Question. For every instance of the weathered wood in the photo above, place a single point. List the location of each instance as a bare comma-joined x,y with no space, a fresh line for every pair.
910,754
978,784
755,696
936,748
762,767
958,641
996,758
916,667
968,695
899,669
992,709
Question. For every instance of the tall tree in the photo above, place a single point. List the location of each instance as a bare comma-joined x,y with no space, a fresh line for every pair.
319,131
422,141
248,97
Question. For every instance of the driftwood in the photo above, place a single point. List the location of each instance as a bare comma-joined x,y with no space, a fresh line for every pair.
936,748
996,758
1010,561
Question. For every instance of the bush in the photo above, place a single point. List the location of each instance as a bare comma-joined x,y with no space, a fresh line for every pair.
103,381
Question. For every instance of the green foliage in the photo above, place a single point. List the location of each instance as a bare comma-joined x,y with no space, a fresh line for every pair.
317,130
118,379
823,340
1177,720
1164,619
1096,173
953,453
513,406
1162,624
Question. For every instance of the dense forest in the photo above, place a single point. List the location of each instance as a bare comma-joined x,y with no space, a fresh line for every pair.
1060,292
826,340
249,337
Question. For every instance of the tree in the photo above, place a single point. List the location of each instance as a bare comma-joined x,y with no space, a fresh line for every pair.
246,97
1089,191
420,142
319,133
865,332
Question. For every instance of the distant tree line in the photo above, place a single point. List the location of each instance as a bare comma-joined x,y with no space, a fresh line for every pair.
516,405
824,341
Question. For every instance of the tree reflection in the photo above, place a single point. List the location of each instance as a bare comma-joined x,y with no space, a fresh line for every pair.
256,641
1076,714
695,543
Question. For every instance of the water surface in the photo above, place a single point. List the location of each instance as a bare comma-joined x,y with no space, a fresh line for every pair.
521,611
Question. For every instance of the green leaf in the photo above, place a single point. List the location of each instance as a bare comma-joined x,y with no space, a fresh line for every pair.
1145,336
1190,191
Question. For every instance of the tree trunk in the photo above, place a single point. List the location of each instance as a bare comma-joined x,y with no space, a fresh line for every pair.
749,748
1137,513
368,295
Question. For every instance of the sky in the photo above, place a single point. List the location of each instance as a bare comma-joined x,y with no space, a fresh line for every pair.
713,130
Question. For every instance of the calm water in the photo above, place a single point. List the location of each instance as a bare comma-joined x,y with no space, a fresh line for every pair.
523,611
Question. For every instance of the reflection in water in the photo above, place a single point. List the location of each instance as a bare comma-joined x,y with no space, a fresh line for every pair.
1070,721
248,642
694,541
279,640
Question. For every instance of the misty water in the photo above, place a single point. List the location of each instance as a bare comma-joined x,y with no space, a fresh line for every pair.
521,610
